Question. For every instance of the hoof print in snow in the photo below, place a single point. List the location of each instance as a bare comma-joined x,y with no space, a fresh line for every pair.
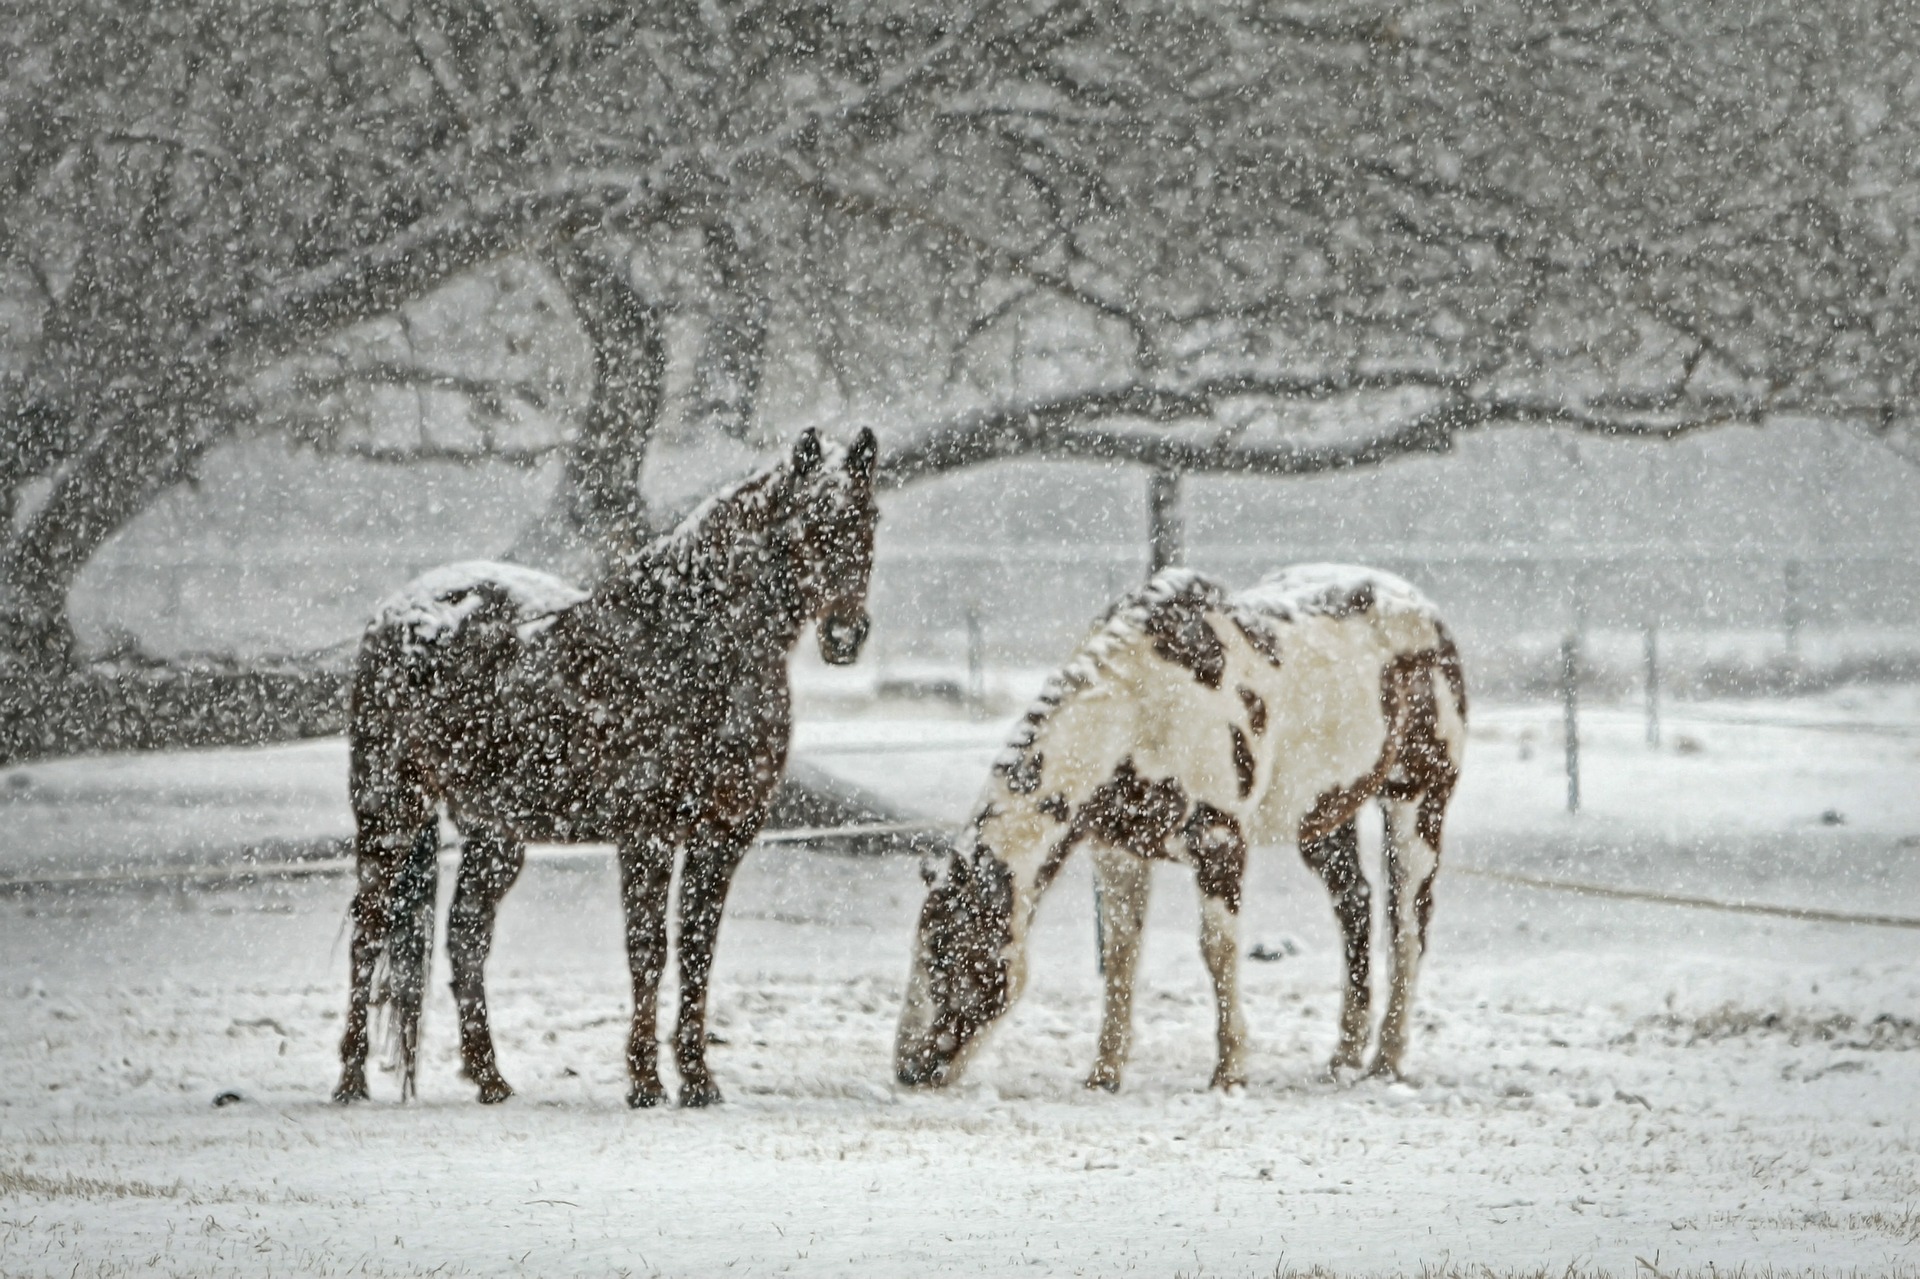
227,1098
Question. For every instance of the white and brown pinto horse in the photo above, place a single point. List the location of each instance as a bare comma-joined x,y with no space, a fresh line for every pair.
652,713
1193,725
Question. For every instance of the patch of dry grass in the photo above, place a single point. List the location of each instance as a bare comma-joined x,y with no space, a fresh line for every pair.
68,1186
1884,1033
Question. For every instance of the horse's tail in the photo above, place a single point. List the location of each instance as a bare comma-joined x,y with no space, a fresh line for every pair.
409,948
1449,667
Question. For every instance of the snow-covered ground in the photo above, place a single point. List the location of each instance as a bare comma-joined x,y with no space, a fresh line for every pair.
1598,1083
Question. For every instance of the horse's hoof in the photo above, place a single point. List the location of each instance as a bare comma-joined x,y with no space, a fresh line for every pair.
1229,1083
645,1098
699,1096
1103,1081
1383,1070
494,1091
346,1094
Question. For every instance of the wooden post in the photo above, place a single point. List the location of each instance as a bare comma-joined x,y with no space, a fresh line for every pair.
1790,606
1652,641
1163,519
976,663
1570,702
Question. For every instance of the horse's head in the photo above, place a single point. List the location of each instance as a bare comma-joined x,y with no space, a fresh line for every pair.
962,978
833,514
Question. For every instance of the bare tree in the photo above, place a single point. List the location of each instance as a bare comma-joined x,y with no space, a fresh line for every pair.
1194,235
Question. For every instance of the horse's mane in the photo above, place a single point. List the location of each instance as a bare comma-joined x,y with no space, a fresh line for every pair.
697,551
692,548
1123,626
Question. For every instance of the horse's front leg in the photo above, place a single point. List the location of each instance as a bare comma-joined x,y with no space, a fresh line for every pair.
1123,881
489,865
1218,852
1336,859
704,882
646,871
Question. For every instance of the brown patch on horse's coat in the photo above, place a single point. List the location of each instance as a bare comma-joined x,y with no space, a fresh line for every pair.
1242,760
1412,744
1056,807
1128,811
1256,710
1218,851
1182,635
1133,813
1139,815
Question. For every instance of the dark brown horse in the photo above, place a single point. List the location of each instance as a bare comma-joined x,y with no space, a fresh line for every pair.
652,713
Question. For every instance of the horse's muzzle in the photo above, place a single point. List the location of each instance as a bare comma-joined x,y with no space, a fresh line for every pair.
842,637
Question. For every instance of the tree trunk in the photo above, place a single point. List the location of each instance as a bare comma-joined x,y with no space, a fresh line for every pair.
598,514
144,440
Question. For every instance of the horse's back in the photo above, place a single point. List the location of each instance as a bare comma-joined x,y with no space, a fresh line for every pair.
428,664
1380,600
434,606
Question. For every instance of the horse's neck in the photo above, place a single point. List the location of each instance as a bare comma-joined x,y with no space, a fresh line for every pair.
1068,746
684,595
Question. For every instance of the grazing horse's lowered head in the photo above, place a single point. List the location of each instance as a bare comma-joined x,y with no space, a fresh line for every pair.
963,975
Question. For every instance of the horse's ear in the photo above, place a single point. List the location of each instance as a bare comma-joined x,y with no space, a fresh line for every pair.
806,452
861,452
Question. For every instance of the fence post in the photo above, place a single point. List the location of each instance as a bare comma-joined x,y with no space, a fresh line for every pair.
1163,519
1790,605
1570,702
976,663
1652,638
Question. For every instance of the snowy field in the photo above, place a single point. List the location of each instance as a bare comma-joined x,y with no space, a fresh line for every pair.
1603,1084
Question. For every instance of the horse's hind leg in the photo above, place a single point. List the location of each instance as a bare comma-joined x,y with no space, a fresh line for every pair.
646,872
704,882
489,864
1413,858
1335,857
1124,881
410,910
381,844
